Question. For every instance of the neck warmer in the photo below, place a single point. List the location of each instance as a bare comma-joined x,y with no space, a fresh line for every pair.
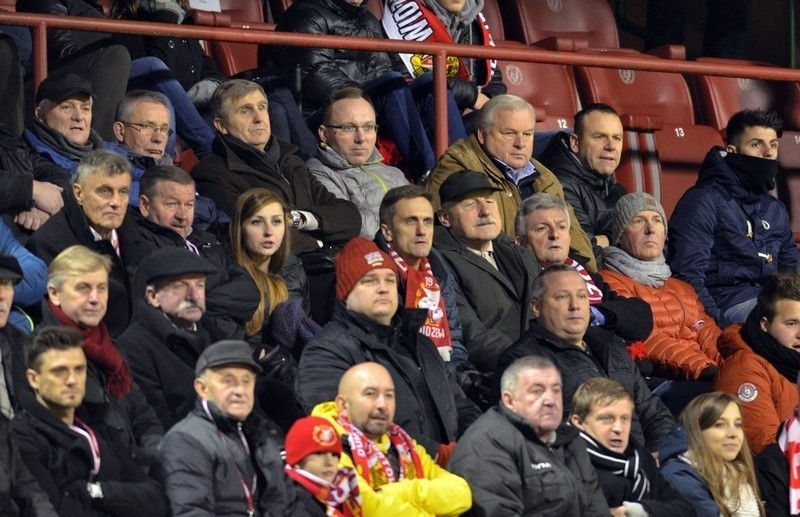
253,156
627,465
652,273
756,174
785,360
101,351
59,142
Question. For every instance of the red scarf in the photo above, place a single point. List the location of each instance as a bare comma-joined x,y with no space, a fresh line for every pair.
100,350
409,20
341,496
373,465
789,442
595,293
423,292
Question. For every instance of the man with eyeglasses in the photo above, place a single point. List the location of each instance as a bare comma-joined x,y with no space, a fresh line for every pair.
502,148
347,162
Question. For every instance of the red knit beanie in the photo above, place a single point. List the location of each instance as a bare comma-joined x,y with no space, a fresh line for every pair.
309,435
358,257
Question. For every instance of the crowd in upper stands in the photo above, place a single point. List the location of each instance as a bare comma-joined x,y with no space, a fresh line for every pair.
321,317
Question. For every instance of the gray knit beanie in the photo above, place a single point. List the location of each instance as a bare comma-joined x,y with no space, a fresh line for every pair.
627,207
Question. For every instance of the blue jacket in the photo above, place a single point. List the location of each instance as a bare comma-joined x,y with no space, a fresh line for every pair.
682,476
30,290
725,240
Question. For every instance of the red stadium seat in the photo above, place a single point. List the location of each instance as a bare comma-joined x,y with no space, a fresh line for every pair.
534,21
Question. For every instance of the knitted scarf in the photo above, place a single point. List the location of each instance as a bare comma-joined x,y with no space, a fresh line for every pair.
789,442
100,350
652,273
59,142
628,466
341,496
595,293
785,360
373,464
423,292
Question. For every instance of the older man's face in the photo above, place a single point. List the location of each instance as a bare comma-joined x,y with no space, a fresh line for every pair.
510,140
538,400
247,119
547,234
564,307
82,297
357,146
645,235
172,206
146,131
475,221
182,299
72,117
104,199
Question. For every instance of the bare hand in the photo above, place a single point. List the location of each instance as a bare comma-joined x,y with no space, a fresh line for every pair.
480,101
31,219
47,197
619,511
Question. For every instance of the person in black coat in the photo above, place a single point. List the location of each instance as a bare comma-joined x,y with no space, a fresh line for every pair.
19,490
367,326
602,409
84,470
559,333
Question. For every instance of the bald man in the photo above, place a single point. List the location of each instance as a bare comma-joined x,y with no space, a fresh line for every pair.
405,479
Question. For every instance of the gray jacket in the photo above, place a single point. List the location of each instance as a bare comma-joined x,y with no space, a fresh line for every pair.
363,185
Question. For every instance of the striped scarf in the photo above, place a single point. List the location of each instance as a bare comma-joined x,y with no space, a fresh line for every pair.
626,466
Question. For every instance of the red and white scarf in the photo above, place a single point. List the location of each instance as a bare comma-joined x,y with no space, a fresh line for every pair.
373,465
341,496
423,292
409,20
789,442
595,293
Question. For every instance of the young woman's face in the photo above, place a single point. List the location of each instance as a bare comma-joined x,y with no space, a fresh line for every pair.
263,232
726,436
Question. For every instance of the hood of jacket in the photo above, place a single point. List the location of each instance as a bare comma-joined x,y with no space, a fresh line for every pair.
674,444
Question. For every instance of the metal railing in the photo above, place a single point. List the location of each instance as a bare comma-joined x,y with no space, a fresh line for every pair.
242,33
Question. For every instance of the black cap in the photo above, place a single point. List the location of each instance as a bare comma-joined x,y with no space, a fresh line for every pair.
9,268
171,262
226,353
60,85
459,184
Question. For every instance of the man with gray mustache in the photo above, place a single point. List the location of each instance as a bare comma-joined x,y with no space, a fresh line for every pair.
167,336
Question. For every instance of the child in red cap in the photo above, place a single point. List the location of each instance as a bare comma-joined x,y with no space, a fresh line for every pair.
313,448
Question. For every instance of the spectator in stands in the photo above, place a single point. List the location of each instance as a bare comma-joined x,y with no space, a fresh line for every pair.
19,490
584,162
28,291
473,81
91,55
167,335
542,225
406,234
728,233
12,356
81,463
367,326
519,458
493,275
683,344
396,474
224,459
501,149
324,70
347,163
77,298
761,362
561,332
96,219
707,460
12,118
602,409
313,449
246,156
166,216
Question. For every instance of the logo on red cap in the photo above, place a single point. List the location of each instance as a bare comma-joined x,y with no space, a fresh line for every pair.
324,435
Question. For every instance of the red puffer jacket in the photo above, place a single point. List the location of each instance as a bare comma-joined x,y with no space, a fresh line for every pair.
684,338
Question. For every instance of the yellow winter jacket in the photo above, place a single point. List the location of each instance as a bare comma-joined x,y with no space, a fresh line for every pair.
439,493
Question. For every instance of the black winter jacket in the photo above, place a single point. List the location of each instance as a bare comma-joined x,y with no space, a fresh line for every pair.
19,490
325,69
349,339
235,167
512,473
63,42
591,195
606,356
772,472
61,461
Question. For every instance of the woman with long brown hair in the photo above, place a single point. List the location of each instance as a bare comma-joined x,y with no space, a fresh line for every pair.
708,461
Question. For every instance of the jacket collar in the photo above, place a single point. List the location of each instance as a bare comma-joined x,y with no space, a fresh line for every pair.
564,433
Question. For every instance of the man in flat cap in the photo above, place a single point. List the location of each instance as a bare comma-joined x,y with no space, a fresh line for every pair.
222,458
493,275
12,341
166,338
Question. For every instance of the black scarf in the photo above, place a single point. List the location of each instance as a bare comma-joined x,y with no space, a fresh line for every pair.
756,174
628,466
785,360
253,157
59,142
